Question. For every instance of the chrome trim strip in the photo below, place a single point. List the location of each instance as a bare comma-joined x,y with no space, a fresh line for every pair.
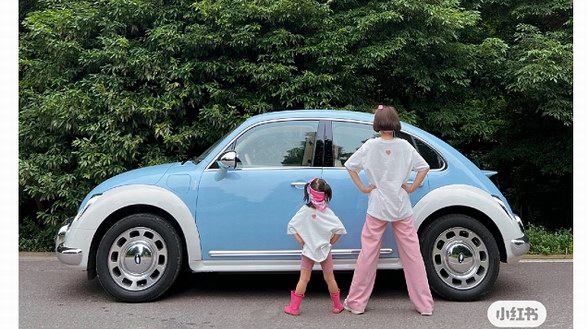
267,168
269,253
291,265
344,168
444,162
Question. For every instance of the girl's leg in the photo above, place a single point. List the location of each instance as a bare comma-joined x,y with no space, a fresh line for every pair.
296,295
303,281
305,274
413,264
328,273
366,268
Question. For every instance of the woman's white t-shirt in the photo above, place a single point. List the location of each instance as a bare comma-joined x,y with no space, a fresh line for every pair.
387,165
316,228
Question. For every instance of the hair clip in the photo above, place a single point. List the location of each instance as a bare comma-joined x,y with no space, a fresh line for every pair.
380,107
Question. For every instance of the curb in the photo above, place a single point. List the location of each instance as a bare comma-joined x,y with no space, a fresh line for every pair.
536,256
36,254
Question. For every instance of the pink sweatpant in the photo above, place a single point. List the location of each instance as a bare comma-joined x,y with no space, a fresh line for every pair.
410,256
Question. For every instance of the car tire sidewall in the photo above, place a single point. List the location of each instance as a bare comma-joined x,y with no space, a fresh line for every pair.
174,251
427,239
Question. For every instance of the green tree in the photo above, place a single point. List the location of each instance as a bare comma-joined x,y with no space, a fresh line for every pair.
111,85
533,78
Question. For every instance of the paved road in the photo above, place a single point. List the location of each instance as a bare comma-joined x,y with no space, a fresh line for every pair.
53,295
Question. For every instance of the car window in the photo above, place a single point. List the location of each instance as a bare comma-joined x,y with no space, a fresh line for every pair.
278,144
430,155
347,137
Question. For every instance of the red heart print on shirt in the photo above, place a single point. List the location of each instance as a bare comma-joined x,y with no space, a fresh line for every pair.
388,152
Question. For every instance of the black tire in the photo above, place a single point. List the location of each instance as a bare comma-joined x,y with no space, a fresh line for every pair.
461,257
152,261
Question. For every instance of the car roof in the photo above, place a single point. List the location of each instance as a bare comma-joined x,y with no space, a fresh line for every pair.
323,114
314,113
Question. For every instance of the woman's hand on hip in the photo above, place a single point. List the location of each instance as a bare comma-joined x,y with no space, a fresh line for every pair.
368,189
407,188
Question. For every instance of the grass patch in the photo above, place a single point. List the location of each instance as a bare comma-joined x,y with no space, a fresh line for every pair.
546,242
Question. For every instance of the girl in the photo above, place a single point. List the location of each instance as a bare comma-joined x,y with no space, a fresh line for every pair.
387,162
316,228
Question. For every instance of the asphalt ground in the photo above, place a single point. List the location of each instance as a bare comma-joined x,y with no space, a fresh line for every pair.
52,295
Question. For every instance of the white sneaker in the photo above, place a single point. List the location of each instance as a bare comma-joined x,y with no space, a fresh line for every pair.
346,307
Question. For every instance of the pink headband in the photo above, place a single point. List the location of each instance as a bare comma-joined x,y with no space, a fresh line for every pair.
316,197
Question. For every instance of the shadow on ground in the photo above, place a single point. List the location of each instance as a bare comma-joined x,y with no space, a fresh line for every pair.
387,282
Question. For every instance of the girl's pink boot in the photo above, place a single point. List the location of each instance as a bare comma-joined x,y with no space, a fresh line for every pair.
294,305
337,307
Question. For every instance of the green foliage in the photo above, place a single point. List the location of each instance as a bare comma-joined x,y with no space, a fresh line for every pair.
533,150
111,85
34,239
546,242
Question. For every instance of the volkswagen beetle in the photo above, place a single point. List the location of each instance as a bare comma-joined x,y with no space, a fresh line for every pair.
227,210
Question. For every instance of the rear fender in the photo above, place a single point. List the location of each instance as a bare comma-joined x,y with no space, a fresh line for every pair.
470,197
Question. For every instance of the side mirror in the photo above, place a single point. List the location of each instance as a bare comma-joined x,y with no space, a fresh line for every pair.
228,160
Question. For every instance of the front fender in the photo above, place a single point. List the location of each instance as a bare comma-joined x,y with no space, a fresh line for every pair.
470,197
83,229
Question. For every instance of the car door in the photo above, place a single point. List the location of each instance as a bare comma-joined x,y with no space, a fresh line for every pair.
343,139
242,213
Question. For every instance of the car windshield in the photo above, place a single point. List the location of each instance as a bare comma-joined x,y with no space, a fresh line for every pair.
204,154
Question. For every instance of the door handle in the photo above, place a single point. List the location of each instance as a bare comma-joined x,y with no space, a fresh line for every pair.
298,185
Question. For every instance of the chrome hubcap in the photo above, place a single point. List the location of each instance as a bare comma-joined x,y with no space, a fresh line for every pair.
137,258
460,258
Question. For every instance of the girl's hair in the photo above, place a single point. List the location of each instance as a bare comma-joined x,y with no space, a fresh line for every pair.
386,119
319,185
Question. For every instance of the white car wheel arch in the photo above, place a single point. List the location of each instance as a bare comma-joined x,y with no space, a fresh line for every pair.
82,230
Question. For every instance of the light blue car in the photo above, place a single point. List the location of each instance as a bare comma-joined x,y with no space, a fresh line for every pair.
227,210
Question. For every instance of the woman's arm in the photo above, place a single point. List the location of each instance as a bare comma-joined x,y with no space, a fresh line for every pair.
359,183
417,181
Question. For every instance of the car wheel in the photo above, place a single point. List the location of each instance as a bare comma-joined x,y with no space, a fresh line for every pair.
461,257
139,258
